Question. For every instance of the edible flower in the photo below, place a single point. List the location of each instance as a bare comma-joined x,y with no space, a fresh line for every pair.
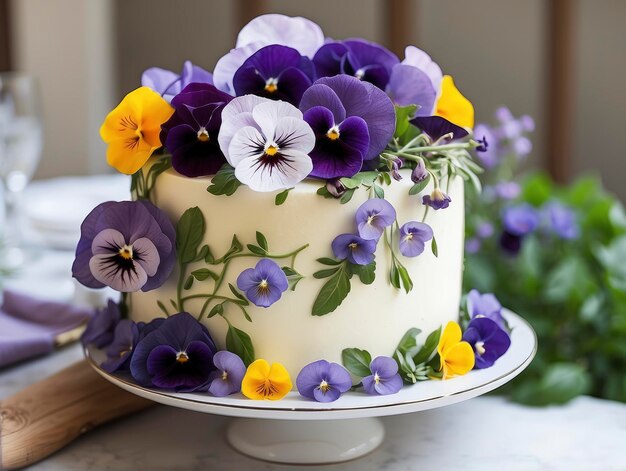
323,381
169,84
413,238
437,199
561,220
264,284
127,245
121,349
488,341
132,129
227,378
265,381
484,305
438,128
453,106
355,249
101,326
384,378
373,217
520,220
455,355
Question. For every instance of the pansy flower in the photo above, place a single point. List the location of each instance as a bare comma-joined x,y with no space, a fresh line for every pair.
178,355
437,199
264,284
275,72
520,220
436,128
121,349
127,245
191,133
409,85
226,379
455,355
419,59
453,106
488,341
132,129
353,121
169,84
507,190
323,381
373,217
384,378
101,326
267,142
484,305
561,220
355,249
413,237
265,381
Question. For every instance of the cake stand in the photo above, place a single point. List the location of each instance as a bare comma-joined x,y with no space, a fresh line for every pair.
295,430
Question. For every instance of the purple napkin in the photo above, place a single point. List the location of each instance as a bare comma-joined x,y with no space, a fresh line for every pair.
29,326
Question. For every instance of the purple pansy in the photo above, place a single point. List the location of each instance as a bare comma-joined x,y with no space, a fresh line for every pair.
437,199
510,243
227,378
353,248
561,220
384,378
413,236
373,217
127,245
419,59
437,127
323,381
520,220
275,72
484,305
472,245
490,156
191,133
488,341
484,230
507,190
409,85
169,84
178,354
101,326
120,351
264,284
334,101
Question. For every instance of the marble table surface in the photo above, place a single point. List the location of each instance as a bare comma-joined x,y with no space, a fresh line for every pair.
486,433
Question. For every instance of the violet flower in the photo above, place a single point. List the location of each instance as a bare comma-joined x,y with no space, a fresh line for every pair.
409,85
472,245
169,84
437,127
437,199
227,378
177,355
507,190
419,173
127,245
101,326
333,101
275,72
510,243
413,236
561,220
488,341
520,220
373,217
484,305
484,230
264,284
120,351
191,133
419,59
323,381
384,378
353,248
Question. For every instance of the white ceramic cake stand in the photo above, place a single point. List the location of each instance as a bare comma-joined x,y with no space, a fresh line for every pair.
276,430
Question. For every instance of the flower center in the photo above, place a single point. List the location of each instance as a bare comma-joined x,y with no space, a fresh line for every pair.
359,74
370,219
271,149
126,252
264,286
376,378
271,85
409,236
182,357
203,135
480,347
266,388
437,194
324,386
353,245
224,375
126,350
333,133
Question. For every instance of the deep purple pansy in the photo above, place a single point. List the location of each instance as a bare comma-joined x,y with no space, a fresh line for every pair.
520,220
127,245
191,133
353,248
264,284
437,127
413,237
177,355
488,341
169,84
437,199
384,378
101,326
561,220
510,243
373,217
323,381
120,351
275,72
226,379
484,305
337,108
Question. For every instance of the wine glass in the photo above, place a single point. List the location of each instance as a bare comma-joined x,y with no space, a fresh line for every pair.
21,142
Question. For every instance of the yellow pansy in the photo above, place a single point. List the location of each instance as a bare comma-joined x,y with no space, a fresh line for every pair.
453,106
456,356
132,129
263,381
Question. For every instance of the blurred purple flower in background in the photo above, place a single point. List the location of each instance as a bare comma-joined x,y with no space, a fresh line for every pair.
169,84
507,190
561,220
520,220
472,245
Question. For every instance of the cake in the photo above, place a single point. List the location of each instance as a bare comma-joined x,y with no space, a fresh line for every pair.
300,208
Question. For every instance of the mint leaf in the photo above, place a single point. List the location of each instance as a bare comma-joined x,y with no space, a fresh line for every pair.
408,342
429,347
332,293
238,342
224,182
189,234
357,361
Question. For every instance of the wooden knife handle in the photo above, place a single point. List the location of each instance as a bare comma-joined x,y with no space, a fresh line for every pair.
48,415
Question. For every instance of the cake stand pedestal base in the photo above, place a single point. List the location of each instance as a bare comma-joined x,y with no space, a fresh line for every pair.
305,442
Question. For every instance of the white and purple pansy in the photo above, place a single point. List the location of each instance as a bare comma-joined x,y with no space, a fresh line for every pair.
267,142
127,245
264,284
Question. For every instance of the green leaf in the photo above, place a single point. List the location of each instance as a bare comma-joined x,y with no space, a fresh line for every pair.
188,282
323,191
238,295
419,187
434,247
162,308
425,353
366,273
202,253
559,383
347,196
204,273
293,277
216,310
357,361
329,261
325,273
235,247
379,192
332,293
256,250
261,240
282,196
350,183
394,275
366,178
537,189
224,182
209,258
403,115
385,177
189,234
405,278
238,342
408,342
